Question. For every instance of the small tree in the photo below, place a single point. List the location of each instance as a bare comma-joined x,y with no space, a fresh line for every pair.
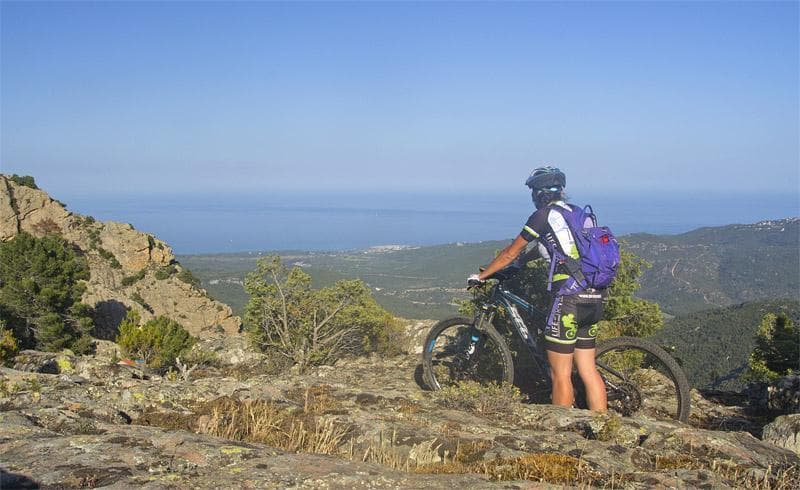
8,344
23,180
41,283
624,313
777,350
309,327
158,342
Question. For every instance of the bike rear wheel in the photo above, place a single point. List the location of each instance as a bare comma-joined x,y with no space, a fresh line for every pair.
642,379
447,358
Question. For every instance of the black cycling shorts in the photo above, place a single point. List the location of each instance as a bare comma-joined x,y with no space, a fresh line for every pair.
573,322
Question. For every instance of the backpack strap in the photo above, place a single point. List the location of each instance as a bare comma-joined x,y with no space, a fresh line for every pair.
573,266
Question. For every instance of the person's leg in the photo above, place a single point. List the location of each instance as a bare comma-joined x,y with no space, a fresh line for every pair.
589,311
561,375
560,340
592,382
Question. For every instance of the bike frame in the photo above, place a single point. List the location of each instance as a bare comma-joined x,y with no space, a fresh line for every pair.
501,296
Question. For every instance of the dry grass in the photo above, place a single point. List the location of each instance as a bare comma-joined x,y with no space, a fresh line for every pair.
737,476
553,468
305,430
493,400
265,422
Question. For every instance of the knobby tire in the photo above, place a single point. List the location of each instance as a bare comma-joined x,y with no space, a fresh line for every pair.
444,341
670,369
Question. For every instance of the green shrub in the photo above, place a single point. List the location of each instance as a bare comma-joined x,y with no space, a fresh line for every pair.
94,238
109,257
777,350
285,316
385,336
165,272
158,342
41,283
131,280
8,345
135,296
186,276
23,180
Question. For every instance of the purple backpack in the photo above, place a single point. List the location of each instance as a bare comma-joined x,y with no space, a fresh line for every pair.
597,247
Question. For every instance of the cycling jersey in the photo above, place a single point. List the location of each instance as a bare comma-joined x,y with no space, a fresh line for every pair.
549,228
575,312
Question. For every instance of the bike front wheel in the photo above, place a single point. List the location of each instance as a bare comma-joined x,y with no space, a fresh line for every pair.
455,351
642,379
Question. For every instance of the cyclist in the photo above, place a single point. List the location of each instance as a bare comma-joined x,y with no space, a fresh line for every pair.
571,331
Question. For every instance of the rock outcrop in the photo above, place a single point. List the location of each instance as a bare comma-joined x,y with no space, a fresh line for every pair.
373,425
129,269
784,431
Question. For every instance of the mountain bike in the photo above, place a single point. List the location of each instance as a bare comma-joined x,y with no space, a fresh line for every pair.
640,377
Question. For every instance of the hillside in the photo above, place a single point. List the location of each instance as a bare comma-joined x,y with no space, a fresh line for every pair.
721,266
713,345
128,269
702,269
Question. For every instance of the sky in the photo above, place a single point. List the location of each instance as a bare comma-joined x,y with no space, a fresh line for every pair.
101,98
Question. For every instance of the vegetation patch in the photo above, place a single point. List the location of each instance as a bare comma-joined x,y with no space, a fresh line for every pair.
543,467
158,342
309,327
136,297
109,257
490,399
131,280
41,284
186,276
163,273
267,423
47,227
317,399
23,180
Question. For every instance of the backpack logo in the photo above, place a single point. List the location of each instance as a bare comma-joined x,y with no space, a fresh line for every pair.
597,247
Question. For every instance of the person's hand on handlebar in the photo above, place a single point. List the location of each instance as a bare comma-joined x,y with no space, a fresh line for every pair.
473,281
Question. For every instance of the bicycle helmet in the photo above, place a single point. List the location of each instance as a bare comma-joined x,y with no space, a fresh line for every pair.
546,177
547,185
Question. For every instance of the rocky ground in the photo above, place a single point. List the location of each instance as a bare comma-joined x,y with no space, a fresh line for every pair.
87,422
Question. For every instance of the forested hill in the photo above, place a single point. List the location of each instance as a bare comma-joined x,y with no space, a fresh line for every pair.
713,345
699,270
720,266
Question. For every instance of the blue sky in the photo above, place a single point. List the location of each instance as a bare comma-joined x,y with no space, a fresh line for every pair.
102,98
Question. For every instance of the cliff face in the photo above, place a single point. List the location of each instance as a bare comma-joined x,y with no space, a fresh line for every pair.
129,269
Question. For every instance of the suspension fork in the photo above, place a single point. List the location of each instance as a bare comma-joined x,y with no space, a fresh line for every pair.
483,321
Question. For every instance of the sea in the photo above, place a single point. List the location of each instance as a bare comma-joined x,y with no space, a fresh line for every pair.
313,221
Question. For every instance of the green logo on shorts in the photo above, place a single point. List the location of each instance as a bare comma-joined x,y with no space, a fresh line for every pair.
571,328
593,331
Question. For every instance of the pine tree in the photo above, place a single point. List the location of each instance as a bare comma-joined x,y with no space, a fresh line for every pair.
777,350
41,283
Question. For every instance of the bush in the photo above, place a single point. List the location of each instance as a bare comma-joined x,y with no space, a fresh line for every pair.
777,350
158,342
491,399
309,327
131,280
8,345
186,276
23,180
41,283
165,272
109,257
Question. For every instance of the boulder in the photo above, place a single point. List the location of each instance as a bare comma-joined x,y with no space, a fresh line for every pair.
784,432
